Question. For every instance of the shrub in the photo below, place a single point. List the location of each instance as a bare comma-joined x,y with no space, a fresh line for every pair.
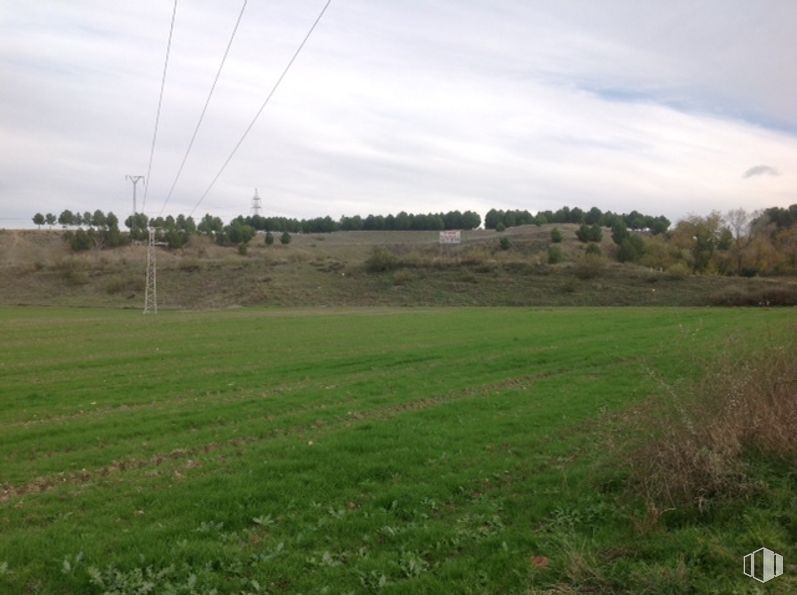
269,238
500,226
80,240
556,235
678,271
381,260
589,267
504,244
402,277
554,254
739,296
593,249
242,250
285,238
590,233
631,249
189,265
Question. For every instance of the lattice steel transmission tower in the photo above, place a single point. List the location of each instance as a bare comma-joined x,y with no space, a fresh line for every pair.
151,292
135,180
256,204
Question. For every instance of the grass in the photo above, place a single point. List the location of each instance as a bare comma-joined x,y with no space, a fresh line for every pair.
412,451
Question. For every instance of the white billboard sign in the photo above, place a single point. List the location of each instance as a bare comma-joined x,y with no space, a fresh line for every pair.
451,236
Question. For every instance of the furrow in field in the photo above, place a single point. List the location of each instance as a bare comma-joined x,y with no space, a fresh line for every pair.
48,482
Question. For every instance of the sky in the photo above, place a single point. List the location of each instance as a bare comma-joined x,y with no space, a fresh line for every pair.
670,108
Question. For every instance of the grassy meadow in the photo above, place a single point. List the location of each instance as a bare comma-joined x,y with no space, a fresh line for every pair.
462,450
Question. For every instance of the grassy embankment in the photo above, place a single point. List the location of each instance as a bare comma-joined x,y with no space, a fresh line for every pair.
37,268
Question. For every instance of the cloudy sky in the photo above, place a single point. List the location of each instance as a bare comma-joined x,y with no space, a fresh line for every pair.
667,107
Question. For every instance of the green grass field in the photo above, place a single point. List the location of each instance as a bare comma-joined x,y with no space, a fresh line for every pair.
401,451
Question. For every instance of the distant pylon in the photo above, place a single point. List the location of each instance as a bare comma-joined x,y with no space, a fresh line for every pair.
135,180
151,292
256,204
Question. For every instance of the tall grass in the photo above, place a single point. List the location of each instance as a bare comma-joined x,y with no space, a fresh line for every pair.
700,447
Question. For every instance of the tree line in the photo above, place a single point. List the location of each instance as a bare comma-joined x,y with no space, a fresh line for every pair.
501,219
403,221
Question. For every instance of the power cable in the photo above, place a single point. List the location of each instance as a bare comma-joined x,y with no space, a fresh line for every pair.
262,107
204,109
158,112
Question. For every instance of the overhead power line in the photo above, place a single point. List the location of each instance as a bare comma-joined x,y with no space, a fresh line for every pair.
204,109
262,107
158,112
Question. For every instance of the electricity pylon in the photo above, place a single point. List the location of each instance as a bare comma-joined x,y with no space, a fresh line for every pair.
256,204
151,292
135,180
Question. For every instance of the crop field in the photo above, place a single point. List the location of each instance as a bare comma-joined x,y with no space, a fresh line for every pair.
355,451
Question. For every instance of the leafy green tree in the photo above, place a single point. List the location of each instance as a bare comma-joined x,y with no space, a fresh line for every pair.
589,233
619,232
50,219
138,225
98,219
593,216
38,219
111,221
285,238
269,238
66,218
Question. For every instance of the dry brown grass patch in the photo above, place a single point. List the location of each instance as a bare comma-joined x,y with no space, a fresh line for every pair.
694,447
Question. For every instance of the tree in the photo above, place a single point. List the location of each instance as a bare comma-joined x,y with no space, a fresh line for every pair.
285,238
98,219
80,240
631,249
50,219
619,231
38,219
593,216
589,233
505,244
556,235
500,227
269,238
112,221
66,218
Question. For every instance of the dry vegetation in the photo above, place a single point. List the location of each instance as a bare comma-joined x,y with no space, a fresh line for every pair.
366,268
698,448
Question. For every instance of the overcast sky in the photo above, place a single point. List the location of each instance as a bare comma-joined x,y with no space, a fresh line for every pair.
667,107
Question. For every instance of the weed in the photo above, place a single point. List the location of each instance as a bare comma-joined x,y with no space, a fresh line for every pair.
700,443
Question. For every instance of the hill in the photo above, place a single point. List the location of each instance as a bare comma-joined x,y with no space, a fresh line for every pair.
344,269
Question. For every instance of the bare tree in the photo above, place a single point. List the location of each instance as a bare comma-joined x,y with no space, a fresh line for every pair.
738,220
740,223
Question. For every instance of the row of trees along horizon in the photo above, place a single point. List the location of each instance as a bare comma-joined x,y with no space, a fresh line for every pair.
739,242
